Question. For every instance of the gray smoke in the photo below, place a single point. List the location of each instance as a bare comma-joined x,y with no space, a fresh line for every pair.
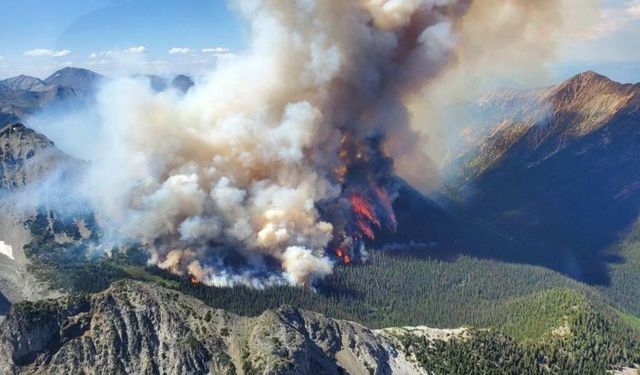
241,162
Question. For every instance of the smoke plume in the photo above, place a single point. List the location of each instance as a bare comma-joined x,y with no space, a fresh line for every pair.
280,164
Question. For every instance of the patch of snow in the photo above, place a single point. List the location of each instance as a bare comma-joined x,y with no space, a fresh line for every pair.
6,250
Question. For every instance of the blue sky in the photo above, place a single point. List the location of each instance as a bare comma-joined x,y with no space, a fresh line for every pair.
176,36
36,36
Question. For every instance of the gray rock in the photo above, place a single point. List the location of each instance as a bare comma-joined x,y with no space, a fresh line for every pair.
27,156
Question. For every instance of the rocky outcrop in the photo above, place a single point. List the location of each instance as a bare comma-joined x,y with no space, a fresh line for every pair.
26,156
139,328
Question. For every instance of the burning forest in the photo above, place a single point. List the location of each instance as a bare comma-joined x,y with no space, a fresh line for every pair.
280,163
277,166
365,204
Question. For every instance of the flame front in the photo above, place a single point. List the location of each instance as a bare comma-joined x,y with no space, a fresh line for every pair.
365,176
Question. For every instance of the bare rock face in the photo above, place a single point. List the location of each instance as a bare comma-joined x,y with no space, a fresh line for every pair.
28,160
26,156
139,328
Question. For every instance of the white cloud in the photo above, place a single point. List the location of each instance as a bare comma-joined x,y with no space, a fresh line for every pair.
101,54
100,62
219,52
179,51
42,52
136,49
634,9
216,50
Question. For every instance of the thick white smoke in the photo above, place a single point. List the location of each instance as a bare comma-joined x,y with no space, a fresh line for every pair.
242,160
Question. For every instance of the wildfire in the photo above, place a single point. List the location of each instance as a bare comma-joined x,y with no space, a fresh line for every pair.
343,255
364,173
346,259
386,203
365,214
193,280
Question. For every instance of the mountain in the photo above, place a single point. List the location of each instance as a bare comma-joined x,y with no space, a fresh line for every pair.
26,83
182,83
30,165
562,176
78,79
448,265
131,328
23,96
26,157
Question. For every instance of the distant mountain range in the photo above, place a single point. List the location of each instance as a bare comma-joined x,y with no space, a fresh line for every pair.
22,96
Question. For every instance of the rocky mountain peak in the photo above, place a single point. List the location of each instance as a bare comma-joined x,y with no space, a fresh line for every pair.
588,100
75,78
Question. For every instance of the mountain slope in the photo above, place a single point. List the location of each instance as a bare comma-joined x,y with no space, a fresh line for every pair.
567,336
562,178
32,171
26,157
132,327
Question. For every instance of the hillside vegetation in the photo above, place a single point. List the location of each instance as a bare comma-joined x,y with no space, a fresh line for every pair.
553,332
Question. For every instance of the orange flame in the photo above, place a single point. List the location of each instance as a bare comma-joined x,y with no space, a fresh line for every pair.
366,229
363,209
385,201
343,255
346,259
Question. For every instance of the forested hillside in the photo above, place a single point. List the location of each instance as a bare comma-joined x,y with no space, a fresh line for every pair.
552,332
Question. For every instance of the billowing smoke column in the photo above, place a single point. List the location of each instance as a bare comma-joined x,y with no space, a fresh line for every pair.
281,163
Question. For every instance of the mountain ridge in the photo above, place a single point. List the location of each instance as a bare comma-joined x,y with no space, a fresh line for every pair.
561,176
104,332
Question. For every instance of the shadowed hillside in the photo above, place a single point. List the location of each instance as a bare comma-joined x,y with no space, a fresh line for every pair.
565,186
